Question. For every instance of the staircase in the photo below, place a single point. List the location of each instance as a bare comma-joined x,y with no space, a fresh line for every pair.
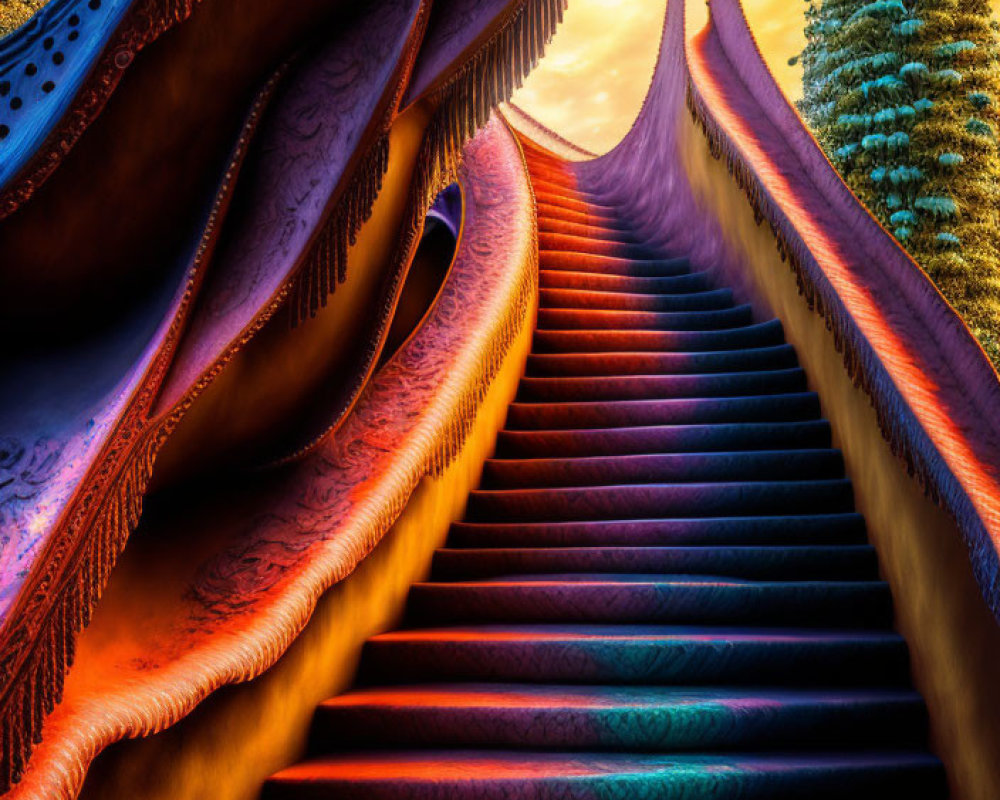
661,588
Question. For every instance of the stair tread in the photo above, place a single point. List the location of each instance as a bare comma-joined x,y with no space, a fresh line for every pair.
678,320
546,472
581,770
519,695
590,299
614,265
652,439
837,527
623,363
757,562
553,340
660,387
570,279
541,415
577,632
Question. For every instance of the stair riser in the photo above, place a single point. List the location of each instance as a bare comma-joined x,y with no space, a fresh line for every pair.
695,468
691,411
598,319
659,387
589,281
603,265
784,530
914,782
611,364
711,300
816,605
610,341
702,726
667,439
702,662
800,562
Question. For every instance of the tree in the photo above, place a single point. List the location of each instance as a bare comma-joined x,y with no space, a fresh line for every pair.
902,96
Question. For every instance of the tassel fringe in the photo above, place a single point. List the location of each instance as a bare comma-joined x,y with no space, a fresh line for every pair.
35,683
486,80
464,105
899,427
27,702
326,264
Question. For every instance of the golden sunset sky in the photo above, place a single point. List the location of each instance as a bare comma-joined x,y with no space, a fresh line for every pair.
595,73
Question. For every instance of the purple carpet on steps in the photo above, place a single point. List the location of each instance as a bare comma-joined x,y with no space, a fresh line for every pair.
661,587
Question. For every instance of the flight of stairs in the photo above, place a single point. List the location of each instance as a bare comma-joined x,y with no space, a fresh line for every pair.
661,589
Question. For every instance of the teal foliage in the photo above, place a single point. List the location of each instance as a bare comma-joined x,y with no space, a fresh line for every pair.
873,141
898,141
887,84
904,175
913,69
909,27
887,116
880,8
937,207
846,151
860,66
901,95
948,76
855,122
977,127
980,99
952,49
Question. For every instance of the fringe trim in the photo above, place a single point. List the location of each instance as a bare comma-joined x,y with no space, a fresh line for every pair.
486,80
29,701
463,107
326,264
899,426
501,340
77,591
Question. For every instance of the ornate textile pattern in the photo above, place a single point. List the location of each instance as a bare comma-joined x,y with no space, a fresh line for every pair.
83,474
56,74
332,116
313,521
311,174
74,525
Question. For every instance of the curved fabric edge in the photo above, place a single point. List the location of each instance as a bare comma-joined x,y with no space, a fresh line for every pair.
130,26
83,528
317,520
935,392
91,524
541,135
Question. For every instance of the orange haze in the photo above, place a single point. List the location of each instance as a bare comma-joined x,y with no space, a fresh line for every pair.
592,81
